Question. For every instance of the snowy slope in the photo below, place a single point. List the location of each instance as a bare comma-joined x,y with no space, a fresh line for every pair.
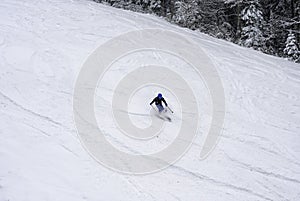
43,44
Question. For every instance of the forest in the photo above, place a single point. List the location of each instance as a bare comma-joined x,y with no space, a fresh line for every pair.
269,26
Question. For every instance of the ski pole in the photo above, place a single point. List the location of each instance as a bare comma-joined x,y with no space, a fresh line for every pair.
153,108
170,109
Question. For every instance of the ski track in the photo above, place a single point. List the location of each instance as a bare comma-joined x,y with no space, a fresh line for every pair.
43,44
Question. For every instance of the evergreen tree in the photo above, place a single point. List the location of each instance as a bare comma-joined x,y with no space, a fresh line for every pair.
186,13
233,10
252,34
155,6
212,18
291,49
281,15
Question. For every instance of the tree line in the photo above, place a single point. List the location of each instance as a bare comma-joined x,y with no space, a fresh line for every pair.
270,26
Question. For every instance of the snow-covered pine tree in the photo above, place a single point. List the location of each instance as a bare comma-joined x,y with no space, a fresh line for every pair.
212,19
152,6
186,13
155,6
291,49
252,34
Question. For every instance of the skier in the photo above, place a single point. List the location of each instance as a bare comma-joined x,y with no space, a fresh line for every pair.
158,102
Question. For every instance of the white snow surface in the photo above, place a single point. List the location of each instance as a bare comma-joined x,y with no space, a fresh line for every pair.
43,44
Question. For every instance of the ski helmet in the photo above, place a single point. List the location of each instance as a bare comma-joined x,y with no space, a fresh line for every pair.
159,96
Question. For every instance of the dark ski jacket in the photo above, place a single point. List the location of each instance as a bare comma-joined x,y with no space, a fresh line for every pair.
159,101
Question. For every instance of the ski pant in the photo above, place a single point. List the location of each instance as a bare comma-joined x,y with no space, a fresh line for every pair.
160,108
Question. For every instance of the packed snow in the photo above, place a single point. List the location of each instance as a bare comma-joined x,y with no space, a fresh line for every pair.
43,44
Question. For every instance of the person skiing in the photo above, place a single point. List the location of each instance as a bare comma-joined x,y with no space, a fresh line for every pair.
158,102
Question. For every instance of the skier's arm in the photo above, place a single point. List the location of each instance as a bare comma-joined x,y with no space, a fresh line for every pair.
165,102
152,101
